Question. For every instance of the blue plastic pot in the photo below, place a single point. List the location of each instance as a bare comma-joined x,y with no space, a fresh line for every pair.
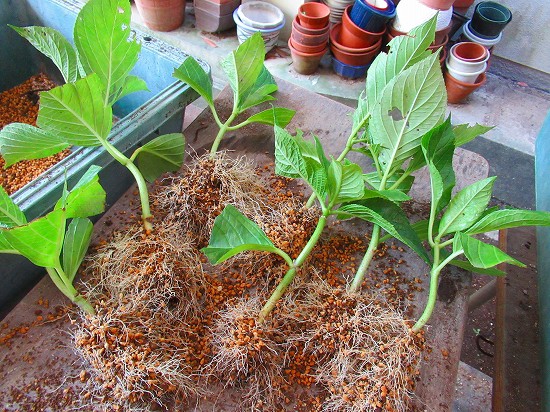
371,18
347,71
142,116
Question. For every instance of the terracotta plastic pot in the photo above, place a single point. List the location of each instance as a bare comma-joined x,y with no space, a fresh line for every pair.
356,57
457,91
440,34
468,57
354,36
298,27
305,63
438,4
313,15
309,39
304,48
463,4
162,15
336,40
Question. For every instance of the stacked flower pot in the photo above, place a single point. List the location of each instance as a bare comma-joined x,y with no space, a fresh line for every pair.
337,8
215,15
466,66
412,13
259,16
487,23
308,40
356,41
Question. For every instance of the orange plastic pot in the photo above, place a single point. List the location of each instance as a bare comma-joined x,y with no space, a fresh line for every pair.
309,39
307,49
438,4
353,57
298,27
305,63
336,40
463,4
162,15
458,91
354,36
313,15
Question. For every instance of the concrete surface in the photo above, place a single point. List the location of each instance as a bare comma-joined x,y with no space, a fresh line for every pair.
473,390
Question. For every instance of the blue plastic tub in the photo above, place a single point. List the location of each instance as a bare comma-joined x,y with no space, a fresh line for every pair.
347,71
142,116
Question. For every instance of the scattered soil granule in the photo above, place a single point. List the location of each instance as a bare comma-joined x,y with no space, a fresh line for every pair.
20,104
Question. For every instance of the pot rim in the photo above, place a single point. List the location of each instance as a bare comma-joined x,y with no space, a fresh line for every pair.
486,55
304,54
354,28
334,40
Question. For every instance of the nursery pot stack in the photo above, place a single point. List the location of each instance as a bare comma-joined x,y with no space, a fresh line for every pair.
308,40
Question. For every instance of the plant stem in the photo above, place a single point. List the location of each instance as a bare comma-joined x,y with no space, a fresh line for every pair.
58,278
291,273
434,283
221,133
365,263
142,185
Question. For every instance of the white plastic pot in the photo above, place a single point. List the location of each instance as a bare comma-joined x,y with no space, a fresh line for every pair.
244,31
466,77
412,13
464,65
260,15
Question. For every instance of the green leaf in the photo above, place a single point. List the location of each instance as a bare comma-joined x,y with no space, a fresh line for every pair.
20,141
438,148
76,242
374,180
352,186
465,133
131,85
508,218
466,207
289,161
105,43
482,255
243,66
192,73
405,51
275,116
389,217
87,198
316,177
76,112
234,233
53,45
160,155
10,214
393,195
334,179
5,246
41,240
362,112
412,104
260,92
463,264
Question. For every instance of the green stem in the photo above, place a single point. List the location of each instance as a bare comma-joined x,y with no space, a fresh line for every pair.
434,283
59,279
141,183
362,269
291,273
221,133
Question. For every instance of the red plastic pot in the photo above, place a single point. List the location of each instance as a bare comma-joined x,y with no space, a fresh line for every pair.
305,63
298,27
304,48
463,4
354,36
336,40
352,56
162,15
470,52
313,15
309,39
438,4
457,91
